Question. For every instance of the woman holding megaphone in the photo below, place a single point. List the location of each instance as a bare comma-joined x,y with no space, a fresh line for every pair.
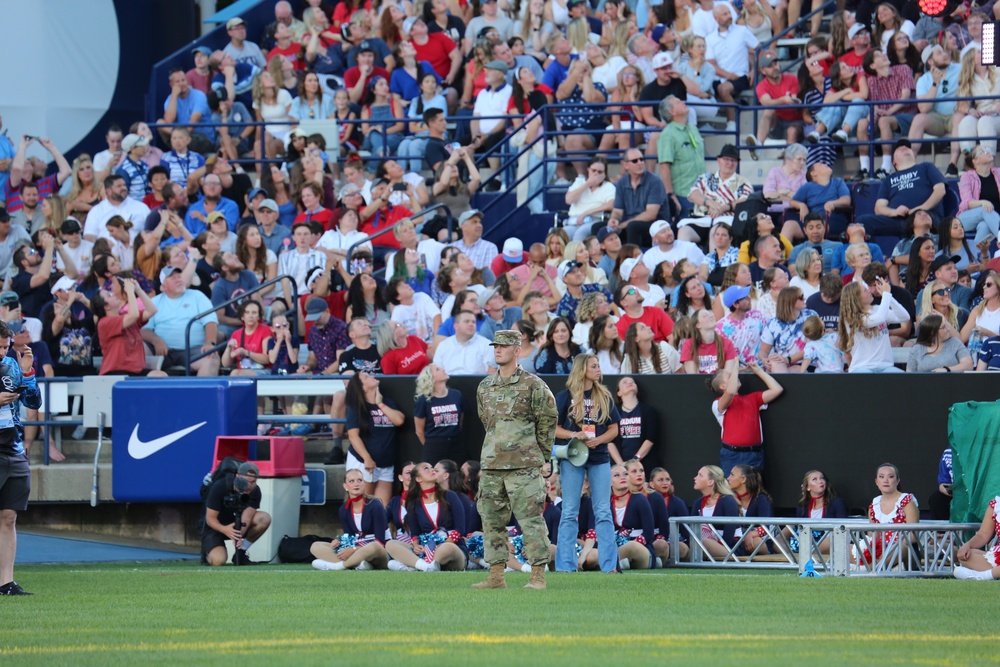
587,415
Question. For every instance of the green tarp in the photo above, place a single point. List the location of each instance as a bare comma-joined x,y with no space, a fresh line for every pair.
974,434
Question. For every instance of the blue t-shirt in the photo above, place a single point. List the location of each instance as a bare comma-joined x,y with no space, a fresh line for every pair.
912,187
173,315
443,415
556,73
600,453
380,439
223,290
404,85
944,468
815,195
195,102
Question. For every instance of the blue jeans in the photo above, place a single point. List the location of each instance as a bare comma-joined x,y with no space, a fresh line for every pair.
887,369
411,152
729,458
984,223
834,117
571,477
375,142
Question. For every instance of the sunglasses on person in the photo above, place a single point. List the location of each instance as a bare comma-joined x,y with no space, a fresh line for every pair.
634,160
630,291
942,291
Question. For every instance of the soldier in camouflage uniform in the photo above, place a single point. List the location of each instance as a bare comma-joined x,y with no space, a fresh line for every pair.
519,413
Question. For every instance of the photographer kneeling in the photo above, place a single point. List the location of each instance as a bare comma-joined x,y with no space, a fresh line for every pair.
232,513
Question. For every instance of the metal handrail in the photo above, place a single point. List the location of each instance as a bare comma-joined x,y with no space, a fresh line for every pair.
188,359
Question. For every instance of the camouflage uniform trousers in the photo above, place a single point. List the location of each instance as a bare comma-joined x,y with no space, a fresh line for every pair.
521,492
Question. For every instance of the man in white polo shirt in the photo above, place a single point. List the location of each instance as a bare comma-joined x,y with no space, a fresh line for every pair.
465,353
729,50
492,101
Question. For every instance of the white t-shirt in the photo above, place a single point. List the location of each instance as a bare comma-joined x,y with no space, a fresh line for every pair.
608,72
807,289
876,353
681,250
653,295
277,112
337,240
591,198
81,256
132,210
418,317
400,198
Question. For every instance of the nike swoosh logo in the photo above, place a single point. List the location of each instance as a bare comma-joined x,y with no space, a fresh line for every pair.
138,449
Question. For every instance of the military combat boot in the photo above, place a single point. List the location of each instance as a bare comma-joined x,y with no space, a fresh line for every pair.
495,580
537,580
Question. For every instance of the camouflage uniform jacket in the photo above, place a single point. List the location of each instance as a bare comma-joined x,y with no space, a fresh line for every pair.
520,417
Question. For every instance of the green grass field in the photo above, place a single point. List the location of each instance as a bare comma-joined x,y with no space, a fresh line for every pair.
184,614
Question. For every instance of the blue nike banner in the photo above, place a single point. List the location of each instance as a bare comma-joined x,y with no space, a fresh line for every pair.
164,430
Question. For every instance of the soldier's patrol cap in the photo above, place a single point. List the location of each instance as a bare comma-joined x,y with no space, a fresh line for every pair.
506,337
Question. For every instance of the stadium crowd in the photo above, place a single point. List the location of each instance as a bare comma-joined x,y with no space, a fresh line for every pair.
677,265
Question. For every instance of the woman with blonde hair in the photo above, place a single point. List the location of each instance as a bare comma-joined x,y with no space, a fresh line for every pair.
578,34
438,416
699,70
936,300
533,29
365,524
759,18
555,247
717,499
55,214
984,319
273,104
975,118
85,193
591,305
587,413
861,330
618,45
624,117
577,250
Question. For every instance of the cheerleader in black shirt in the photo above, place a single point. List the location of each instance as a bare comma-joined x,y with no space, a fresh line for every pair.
661,483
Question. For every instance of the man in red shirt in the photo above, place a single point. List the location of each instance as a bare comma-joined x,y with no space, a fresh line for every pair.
513,256
383,216
439,50
776,90
739,416
356,79
861,43
629,301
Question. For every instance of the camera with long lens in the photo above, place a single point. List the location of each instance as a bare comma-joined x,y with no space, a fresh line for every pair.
238,500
